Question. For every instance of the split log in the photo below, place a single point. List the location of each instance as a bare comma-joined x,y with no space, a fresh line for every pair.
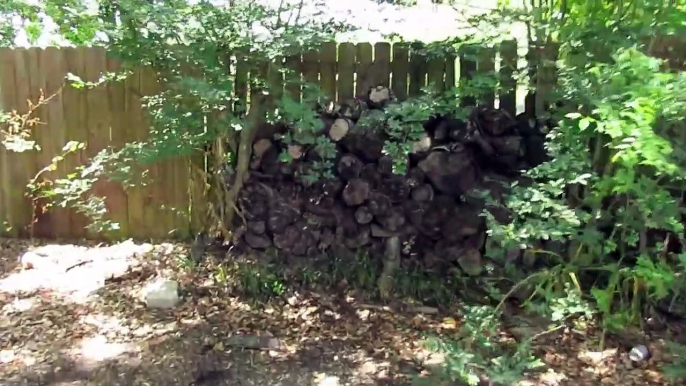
349,167
356,192
340,128
363,216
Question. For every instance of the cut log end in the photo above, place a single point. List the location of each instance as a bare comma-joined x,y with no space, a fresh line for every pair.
339,129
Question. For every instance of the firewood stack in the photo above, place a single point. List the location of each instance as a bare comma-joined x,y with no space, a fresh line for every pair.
429,207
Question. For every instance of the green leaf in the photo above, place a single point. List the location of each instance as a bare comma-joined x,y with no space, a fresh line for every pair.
584,123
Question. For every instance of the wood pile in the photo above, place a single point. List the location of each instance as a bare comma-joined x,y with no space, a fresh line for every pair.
429,208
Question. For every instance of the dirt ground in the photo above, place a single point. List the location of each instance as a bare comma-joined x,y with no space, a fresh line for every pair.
65,327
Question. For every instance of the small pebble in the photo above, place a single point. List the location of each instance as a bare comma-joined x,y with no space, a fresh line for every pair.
639,353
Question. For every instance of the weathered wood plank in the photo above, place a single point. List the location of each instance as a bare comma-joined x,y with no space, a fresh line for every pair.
508,84
363,62
436,73
74,104
8,101
293,77
467,71
24,163
327,69
346,71
401,69
418,68
382,62
486,68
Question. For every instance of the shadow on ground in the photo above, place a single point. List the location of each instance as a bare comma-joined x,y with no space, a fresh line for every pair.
323,338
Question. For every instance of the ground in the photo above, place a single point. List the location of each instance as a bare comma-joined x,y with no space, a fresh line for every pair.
76,318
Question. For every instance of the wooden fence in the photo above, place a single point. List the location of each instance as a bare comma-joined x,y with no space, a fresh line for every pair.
111,115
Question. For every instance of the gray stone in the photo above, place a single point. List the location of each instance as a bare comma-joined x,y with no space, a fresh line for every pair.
162,293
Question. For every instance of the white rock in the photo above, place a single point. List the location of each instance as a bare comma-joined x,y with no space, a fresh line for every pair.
161,293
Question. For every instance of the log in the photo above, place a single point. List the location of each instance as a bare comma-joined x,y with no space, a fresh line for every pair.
423,193
260,147
330,109
415,177
332,187
353,109
507,145
257,241
257,227
364,143
359,239
395,188
326,239
423,144
379,97
385,166
340,128
493,122
391,264
281,215
363,216
380,232
451,173
295,151
356,192
394,220
379,205
349,167
371,175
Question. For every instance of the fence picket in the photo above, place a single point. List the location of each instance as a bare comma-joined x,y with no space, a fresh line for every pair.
401,67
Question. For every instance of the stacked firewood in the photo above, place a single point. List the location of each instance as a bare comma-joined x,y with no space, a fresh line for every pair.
432,208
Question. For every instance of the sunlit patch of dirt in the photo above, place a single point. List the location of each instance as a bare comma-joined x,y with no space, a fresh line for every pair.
215,337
